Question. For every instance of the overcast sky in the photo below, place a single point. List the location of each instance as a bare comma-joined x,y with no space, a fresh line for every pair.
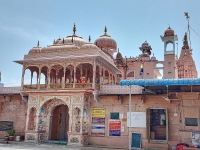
129,22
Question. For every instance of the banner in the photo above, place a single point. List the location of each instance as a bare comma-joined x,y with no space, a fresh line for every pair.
98,122
98,113
115,128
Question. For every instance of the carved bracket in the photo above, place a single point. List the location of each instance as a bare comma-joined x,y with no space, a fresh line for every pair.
24,96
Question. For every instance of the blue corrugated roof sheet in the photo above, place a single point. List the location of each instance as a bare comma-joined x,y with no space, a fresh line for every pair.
161,82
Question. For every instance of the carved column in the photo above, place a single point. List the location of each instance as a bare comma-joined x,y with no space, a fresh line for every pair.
63,80
100,75
48,78
74,76
22,80
94,74
31,76
39,76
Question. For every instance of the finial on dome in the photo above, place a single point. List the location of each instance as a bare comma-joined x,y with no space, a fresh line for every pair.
74,29
38,44
89,38
63,41
54,41
118,50
105,31
185,42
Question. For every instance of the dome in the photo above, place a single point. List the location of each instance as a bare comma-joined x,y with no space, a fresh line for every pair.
88,46
105,41
56,42
169,32
35,50
153,57
78,41
59,48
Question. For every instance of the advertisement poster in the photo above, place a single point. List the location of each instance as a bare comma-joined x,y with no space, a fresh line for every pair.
196,138
98,122
115,128
98,130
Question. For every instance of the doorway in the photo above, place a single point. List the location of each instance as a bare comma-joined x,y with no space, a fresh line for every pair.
157,124
60,123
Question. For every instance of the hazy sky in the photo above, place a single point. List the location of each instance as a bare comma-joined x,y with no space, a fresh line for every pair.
129,22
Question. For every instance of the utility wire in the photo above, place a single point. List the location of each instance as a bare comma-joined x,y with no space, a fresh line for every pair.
195,31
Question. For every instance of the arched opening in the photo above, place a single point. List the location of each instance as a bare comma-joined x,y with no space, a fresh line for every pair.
130,75
60,123
169,46
97,74
27,77
32,119
159,71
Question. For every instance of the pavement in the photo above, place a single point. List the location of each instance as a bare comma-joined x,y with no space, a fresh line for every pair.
46,146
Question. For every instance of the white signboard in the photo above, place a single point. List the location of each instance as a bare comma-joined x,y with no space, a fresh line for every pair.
138,119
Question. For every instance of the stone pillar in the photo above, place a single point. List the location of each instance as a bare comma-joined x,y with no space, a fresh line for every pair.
31,77
39,76
48,79
63,82
100,75
74,77
94,75
22,80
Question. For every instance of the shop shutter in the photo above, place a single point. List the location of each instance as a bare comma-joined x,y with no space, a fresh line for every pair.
148,124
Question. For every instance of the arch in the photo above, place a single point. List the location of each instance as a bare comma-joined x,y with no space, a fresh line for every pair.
49,107
27,76
32,118
97,74
159,71
169,46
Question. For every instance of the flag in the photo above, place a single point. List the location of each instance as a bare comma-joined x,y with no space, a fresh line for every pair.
141,68
0,76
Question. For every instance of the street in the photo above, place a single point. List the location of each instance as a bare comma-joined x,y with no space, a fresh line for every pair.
35,146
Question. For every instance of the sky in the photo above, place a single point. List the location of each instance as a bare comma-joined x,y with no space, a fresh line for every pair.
129,22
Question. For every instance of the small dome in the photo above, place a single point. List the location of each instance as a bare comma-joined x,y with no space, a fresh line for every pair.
57,41
106,42
59,48
88,46
153,57
169,32
35,50
78,41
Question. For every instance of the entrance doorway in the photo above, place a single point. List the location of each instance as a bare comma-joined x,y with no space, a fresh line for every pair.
60,123
157,124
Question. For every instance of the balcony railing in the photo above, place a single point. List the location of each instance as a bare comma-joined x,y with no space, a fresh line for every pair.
60,86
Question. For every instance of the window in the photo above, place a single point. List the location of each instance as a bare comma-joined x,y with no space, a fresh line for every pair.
191,122
114,115
169,73
169,64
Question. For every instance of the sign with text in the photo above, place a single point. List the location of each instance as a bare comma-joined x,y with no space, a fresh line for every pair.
98,122
115,128
98,113
137,119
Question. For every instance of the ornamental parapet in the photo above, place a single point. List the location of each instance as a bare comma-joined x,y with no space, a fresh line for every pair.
117,89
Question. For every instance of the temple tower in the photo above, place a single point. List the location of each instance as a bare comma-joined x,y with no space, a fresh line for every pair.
186,64
170,69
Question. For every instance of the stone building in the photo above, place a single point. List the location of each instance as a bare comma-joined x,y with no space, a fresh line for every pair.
76,97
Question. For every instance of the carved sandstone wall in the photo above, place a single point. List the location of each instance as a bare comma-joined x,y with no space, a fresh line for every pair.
13,108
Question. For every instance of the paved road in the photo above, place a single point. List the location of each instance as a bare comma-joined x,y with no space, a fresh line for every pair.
33,146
